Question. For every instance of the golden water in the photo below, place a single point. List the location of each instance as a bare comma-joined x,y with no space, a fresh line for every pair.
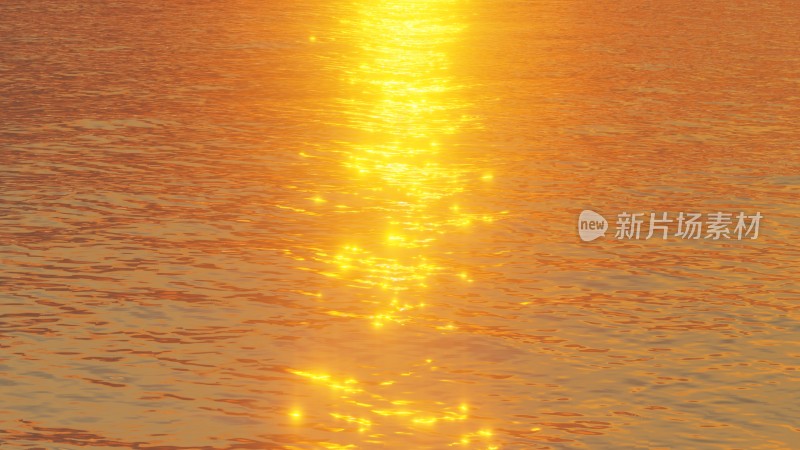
352,225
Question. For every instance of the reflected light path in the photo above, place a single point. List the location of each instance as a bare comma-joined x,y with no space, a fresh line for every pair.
406,109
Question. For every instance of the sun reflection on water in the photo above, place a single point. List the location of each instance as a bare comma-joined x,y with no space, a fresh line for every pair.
406,109
362,406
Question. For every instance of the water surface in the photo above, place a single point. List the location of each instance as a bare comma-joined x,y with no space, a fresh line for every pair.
352,225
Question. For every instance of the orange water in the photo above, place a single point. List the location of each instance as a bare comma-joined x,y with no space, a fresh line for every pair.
352,225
